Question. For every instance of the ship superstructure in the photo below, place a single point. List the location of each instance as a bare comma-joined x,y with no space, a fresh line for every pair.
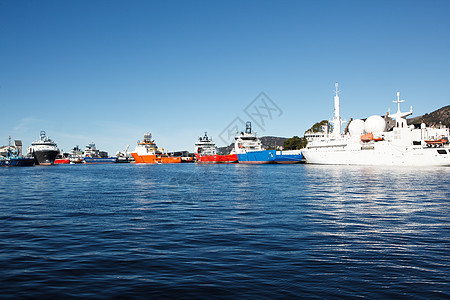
372,142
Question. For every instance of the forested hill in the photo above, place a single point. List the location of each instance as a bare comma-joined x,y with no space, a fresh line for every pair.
435,117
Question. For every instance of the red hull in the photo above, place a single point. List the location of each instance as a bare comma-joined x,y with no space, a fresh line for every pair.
214,159
59,161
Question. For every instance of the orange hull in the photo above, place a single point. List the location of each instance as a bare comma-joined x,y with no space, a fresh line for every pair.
369,137
170,160
154,159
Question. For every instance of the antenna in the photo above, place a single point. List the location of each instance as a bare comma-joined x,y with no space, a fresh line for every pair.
398,102
337,91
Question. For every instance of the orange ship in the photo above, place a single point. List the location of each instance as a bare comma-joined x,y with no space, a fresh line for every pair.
148,153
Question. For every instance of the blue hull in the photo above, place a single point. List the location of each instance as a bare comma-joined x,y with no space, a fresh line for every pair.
95,160
17,162
269,157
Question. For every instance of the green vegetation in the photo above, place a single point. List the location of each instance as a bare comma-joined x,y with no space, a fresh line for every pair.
294,143
318,126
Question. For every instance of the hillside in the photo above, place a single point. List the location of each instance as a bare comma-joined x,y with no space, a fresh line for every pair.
435,117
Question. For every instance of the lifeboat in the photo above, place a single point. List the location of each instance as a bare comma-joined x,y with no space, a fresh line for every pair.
369,137
442,140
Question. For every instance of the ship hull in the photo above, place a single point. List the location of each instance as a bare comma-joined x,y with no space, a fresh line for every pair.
45,157
61,161
99,160
18,162
214,159
380,155
270,157
154,159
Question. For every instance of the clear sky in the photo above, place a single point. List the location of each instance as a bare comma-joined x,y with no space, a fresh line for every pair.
109,71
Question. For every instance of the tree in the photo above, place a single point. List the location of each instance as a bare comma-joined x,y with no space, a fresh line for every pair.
294,143
318,127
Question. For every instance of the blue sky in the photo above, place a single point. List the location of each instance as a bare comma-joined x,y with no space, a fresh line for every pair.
109,71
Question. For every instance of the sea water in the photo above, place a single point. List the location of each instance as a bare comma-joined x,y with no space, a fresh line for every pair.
202,231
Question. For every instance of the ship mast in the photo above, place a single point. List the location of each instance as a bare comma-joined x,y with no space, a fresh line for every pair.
337,121
399,114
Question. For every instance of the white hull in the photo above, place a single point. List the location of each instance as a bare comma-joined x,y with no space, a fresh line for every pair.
380,155
370,143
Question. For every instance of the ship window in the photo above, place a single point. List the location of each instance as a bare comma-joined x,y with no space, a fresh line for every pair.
441,151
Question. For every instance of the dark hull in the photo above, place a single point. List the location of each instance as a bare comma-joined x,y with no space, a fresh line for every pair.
104,160
21,162
17,162
45,157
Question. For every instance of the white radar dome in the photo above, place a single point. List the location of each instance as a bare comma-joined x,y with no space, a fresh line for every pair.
356,127
374,124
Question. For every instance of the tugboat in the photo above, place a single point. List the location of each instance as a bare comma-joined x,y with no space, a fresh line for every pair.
249,150
43,151
93,156
372,142
147,152
206,152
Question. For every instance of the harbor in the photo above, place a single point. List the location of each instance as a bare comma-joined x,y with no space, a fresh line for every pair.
225,149
377,140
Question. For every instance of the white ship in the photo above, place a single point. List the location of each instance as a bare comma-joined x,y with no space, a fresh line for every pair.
372,142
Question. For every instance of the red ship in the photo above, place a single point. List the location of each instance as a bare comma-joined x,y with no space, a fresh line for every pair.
206,153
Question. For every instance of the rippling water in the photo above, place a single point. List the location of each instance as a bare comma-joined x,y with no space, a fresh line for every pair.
195,231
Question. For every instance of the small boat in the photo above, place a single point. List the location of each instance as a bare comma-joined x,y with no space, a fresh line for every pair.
440,141
369,137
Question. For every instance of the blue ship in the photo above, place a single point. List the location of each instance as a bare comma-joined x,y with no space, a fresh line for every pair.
14,160
249,150
270,156
100,160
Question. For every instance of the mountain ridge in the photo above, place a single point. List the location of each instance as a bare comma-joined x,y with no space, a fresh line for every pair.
439,116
